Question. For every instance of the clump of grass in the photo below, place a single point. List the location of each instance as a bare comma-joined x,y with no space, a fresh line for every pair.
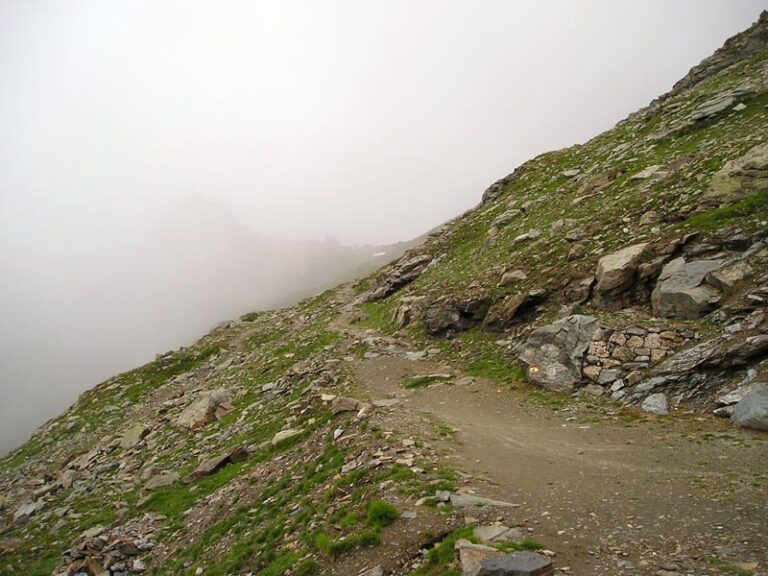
336,547
380,514
307,567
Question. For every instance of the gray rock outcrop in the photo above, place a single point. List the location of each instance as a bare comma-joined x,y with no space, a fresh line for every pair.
398,274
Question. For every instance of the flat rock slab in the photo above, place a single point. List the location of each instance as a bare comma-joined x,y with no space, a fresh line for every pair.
211,465
342,404
161,480
285,434
497,533
470,500
525,563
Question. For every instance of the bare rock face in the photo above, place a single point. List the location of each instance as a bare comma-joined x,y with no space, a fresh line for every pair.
681,291
204,409
552,354
616,273
740,178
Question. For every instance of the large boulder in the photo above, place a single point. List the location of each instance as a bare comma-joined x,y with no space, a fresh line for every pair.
205,409
752,411
681,291
162,480
552,354
616,273
439,317
455,314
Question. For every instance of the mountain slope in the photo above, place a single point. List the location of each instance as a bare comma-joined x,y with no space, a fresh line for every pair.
358,428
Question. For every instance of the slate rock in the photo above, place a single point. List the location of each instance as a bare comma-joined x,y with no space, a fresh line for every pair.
497,533
511,277
343,404
398,274
524,563
681,291
739,393
440,317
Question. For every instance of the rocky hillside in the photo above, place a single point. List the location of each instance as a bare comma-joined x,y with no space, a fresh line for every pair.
576,367
630,265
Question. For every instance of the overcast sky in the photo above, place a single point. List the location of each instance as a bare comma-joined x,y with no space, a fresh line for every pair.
365,121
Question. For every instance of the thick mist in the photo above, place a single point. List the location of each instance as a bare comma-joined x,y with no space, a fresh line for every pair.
166,165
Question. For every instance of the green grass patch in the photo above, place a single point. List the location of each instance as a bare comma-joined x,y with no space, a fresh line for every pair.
380,514
755,206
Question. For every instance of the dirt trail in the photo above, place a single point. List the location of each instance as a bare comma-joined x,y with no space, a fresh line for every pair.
609,496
